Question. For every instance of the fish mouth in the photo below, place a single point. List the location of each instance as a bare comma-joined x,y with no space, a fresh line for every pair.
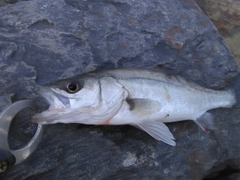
58,105
55,100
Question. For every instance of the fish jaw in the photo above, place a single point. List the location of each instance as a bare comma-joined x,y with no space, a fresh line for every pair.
54,98
62,108
58,104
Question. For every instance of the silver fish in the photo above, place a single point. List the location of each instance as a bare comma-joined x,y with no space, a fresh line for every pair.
143,98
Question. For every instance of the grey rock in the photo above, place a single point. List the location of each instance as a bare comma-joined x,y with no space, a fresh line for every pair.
45,40
225,15
5,100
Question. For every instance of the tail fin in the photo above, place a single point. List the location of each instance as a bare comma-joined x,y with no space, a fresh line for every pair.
206,121
235,85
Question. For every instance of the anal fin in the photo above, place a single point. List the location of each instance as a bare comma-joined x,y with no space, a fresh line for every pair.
206,121
157,130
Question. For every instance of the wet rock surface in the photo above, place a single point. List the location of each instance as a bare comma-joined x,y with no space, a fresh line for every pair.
42,41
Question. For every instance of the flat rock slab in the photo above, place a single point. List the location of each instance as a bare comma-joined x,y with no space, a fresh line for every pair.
45,40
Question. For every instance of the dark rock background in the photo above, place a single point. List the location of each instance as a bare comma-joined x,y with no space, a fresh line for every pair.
45,40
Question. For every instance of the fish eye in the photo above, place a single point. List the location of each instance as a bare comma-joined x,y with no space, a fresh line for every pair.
73,87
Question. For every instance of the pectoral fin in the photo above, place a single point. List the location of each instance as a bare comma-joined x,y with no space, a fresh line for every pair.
143,106
158,130
205,121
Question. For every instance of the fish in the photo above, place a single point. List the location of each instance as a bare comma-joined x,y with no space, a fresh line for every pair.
143,98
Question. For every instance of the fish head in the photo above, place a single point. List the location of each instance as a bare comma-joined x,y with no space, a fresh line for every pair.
86,100
67,97
72,93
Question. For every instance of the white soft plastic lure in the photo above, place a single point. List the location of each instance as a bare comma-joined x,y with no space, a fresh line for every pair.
143,98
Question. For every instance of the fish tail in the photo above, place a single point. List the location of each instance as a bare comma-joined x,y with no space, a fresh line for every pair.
235,87
206,121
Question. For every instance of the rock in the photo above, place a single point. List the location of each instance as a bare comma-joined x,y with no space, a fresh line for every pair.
45,40
225,14
234,176
228,170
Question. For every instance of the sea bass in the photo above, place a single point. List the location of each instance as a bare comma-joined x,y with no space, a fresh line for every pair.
145,99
